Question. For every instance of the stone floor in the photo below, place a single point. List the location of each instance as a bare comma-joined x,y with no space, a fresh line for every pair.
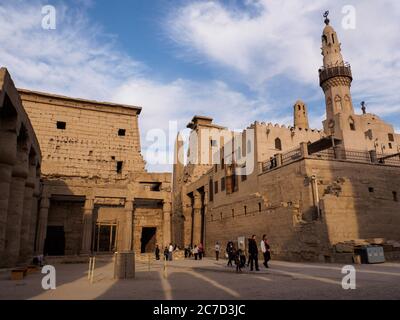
209,279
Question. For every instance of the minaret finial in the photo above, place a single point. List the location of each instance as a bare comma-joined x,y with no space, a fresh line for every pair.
326,14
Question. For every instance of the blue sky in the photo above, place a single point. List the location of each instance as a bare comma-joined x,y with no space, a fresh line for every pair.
236,61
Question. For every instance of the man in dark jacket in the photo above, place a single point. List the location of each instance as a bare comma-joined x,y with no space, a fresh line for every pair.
253,253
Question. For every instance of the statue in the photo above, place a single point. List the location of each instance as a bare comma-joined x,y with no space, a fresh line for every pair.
363,107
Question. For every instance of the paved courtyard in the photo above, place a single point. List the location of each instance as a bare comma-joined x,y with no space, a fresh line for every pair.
208,279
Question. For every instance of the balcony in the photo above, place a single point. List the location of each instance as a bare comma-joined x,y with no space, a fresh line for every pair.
334,71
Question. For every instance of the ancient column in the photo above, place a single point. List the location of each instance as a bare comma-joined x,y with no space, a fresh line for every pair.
166,223
16,204
128,236
34,217
24,252
42,223
8,152
197,218
87,231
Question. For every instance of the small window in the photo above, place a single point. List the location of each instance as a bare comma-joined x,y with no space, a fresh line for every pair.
233,213
223,184
211,190
122,132
371,190
119,166
221,215
333,38
112,157
395,198
244,177
216,187
390,145
61,125
259,207
90,153
391,137
245,210
216,167
278,144
212,218
213,143
352,125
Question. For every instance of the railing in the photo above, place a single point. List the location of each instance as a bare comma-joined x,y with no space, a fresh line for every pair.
335,71
338,154
390,161
291,156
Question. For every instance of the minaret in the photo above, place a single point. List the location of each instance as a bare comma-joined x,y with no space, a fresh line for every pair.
335,76
300,115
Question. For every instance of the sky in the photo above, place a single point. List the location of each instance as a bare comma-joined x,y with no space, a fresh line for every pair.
235,61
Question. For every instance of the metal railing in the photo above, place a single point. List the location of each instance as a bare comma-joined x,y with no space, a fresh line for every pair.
326,73
333,154
291,156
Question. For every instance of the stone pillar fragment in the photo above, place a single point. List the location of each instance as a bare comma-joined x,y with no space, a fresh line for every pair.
197,219
166,223
87,232
26,224
8,151
15,206
42,223
128,236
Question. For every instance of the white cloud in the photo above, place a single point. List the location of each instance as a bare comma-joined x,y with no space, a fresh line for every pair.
282,38
77,60
269,41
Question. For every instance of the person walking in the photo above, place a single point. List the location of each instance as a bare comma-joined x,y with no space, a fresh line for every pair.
201,251
265,250
230,250
217,250
195,252
253,252
170,251
157,252
166,253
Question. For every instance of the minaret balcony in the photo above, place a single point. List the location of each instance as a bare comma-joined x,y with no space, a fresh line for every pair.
326,73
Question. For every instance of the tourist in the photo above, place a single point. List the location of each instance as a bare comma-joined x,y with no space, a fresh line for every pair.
195,252
170,251
157,252
253,252
201,251
230,250
265,250
217,250
166,253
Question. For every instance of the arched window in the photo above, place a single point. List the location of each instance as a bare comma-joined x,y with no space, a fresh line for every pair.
347,102
278,144
352,124
338,103
333,38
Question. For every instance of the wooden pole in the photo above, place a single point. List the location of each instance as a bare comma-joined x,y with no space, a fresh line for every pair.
90,267
149,262
92,273
165,267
